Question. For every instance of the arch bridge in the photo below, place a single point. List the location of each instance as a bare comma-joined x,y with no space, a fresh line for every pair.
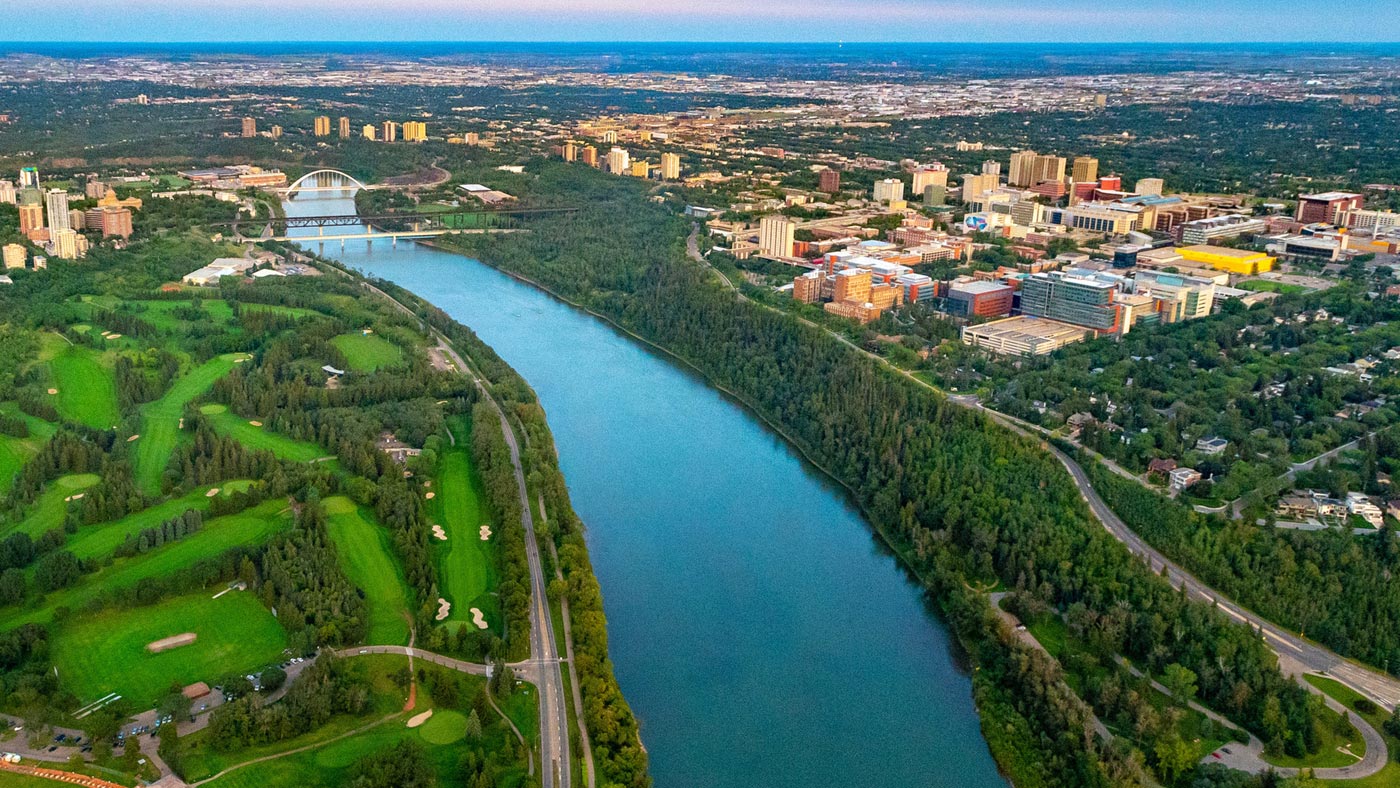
320,176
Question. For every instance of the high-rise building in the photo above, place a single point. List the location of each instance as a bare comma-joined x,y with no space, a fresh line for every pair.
76,219
569,151
1079,300
57,202
94,189
322,126
977,185
619,161
888,190
275,132
415,131
1152,186
250,127
31,217
991,167
775,235
8,195
925,177
1048,168
1022,172
829,180
588,155
852,284
1325,207
111,221
368,132
473,138
609,137
1086,169
67,244
388,131
29,178
344,127
14,256
640,169
670,166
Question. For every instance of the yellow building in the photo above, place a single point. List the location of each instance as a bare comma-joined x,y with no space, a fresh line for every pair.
344,127
415,131
670,166
388,131
323,126
368,131
1236,261
640,169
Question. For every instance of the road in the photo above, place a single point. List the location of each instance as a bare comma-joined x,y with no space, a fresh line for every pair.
544,666
1296,654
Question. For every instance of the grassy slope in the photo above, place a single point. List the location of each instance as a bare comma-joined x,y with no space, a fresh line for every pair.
239,428
160,420
15,452
48,511
87,389
253,526
466,569
366,353
98,541
368,560
106,652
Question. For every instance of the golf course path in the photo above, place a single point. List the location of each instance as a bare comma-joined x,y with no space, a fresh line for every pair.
299,750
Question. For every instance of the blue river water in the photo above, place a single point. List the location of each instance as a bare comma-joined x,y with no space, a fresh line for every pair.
761,633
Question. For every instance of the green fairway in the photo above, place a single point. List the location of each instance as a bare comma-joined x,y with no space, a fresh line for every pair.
369,562
250,527
48,511
367,352
466,564
87,389
256,437
106,652
15,452
98,541
160,420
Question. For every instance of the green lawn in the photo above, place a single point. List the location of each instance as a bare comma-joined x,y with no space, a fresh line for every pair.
466,565
255,437
1329,756
99,540
15,452
367,352
106,652
250,527
87,388
1271,286
369,562
48,511
1387,777
160,420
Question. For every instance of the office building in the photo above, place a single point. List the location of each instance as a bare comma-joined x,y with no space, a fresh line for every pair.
670,166
775,236
111,221
94,189
1086,169
76,219
8,195
1203,231
917,287
1242,262
57,202
275,132
974,186
322,126
568,151
1083,301
369,132
888,190
588,155
1149,186
640,169
925,177
619,162
344,127
980,299
31,217
1022,171
14,256
415,131
1354,219
388,131
67,244
852,284
1048,168
1325,207
807,288
29,178
1176,297
1108,218
829,180
991,167
250,127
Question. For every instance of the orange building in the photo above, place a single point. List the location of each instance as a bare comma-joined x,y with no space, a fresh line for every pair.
31,217
807,288
852,284
861,313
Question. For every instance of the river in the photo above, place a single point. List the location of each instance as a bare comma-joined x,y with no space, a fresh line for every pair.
762,634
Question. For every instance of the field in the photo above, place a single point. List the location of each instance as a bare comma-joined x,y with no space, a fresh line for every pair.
250,527
161,314
98,541
466,565
106,652
1270,286
368,560
87,389
160,420
48,511
367,352
15,452
239,428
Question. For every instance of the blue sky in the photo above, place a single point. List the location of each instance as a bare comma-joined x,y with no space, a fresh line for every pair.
704,20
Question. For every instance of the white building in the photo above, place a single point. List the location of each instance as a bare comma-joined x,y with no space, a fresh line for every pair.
619,161
775,236
212,273
888,190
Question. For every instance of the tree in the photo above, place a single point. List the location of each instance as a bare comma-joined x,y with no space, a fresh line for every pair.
272,678
174,704
169,746
473,726
1180,682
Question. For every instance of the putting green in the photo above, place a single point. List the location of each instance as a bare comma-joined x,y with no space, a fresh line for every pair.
106,652
369,562
367,352
444,727
48,512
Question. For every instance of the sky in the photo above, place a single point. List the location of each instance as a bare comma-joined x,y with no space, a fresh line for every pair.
1189,21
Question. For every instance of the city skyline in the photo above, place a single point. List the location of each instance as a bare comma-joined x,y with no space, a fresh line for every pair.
892,21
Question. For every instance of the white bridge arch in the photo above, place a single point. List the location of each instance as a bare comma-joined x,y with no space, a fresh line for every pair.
298,182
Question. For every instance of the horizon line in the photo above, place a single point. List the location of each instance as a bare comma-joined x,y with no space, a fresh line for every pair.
1098,42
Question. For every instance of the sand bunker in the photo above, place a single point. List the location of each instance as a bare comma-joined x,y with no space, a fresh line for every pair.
485,532
444,609
256,423
133,437
53,391
478,618
174,641
430,496
419,719
114,336
75,497
213,491
428,483
239,360
438,533
182,423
